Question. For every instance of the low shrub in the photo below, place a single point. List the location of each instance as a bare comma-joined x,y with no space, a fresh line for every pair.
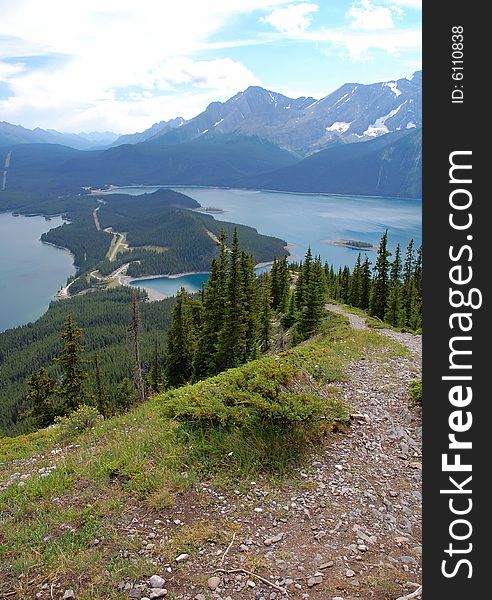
415,391
83,418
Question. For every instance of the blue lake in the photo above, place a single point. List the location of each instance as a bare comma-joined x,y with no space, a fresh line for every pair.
304,220
30,272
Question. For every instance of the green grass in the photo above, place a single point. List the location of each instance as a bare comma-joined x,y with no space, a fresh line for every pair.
263,420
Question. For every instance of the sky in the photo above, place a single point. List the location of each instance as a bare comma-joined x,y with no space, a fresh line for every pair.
122,65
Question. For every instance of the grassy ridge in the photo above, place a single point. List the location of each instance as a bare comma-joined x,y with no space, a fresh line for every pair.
144,461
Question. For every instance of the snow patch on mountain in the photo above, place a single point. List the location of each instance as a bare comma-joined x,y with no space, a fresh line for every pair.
339,126
379,127
393,87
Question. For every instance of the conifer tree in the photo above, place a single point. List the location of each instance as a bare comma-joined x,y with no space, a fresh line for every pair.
101,394
392,311
312,310
180,342
266,313
40,394
71,389
365,284
204,362
231,337
355,284
407,288
135,343
155,372
379,290
290,316
249,295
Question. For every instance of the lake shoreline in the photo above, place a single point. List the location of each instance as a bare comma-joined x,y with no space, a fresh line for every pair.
218,187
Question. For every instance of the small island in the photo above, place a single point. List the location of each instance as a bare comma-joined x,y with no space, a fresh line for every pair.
210,209
354,244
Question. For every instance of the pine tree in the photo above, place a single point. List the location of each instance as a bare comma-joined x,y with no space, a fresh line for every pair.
392,311
355,284
71,389
101,394
303,279
231,339
40,394
155,372
379,290
365,284
312,311
135,342
266,314
407,288
290,316
212,319
180,343
249,295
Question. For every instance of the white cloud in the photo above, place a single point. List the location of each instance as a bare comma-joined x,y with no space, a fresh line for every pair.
293,19
417,4
358,44
101,47
367,16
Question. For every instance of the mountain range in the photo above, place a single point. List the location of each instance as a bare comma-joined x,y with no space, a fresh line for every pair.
361,139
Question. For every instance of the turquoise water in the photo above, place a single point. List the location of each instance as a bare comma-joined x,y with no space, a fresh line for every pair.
30,272
170,286
310,219
304,220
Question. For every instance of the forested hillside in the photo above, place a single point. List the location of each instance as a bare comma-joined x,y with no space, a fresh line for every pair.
105,317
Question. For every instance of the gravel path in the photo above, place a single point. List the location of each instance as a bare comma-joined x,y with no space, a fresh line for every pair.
349,528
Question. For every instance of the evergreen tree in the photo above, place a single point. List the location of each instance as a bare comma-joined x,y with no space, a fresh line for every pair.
71,390
249,295
355,284
125,395
266,314
135,342
155,372
312,311
101,394
40,394
379,290
290,317
231,339
303,279
392,311
407,288
204,363
180,342
365,284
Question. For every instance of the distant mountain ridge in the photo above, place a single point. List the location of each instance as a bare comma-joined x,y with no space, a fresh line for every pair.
353,113
16,134
389,165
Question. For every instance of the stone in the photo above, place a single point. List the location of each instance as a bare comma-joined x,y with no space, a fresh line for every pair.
326,565
214,582
312,581
409,560
349,573
156,581
200,597
182,557
157,593
134,593
274,539
68,594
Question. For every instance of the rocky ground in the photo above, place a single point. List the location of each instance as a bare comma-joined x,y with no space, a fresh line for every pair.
348,527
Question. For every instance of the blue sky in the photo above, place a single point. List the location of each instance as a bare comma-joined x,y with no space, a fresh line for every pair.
122,65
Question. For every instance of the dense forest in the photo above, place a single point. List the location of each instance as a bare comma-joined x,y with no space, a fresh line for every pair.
105,317
158,227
